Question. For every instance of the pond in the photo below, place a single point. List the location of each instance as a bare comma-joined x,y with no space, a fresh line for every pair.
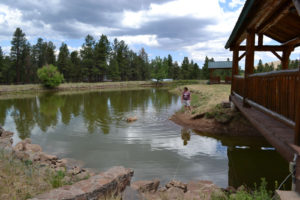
91,127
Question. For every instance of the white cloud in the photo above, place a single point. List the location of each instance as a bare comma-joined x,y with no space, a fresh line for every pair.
235,3
179,8
149,40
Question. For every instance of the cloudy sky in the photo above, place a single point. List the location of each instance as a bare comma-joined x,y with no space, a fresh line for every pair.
193,28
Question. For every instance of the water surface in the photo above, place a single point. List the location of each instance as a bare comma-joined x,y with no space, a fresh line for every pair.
92,127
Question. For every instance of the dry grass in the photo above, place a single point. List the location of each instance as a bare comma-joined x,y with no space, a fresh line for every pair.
206,97
21,180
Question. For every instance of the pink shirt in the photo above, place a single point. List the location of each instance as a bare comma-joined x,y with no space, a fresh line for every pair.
186,95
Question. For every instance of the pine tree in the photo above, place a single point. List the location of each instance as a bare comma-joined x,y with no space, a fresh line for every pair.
260,66
205,70
185,68
63,61
75,73
102,53
18,44
88,61
145,69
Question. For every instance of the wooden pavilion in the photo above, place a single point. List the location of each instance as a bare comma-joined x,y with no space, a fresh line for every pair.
215,65
271,101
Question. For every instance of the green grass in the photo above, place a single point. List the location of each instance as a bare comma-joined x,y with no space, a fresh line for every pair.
259,193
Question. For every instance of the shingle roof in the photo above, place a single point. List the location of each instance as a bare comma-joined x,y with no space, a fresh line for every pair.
220,65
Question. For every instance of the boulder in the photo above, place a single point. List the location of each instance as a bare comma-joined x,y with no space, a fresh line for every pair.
146,186
22,155
21,146
33,147
177,184
131,119
47,157
106,184
6,133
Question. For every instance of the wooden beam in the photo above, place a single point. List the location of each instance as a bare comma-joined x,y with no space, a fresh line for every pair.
285,59
297,125
264,48
250,48
235,66
249,63
275,17
277,55
241,57
292,42
260,39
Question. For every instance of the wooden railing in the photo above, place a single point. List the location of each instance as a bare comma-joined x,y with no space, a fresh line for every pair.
276,91
238,85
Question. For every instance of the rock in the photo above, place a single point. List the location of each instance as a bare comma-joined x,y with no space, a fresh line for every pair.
6,133
76,170
61,163
47,157
106,184
131,194
82,175
201,190
162,189
21,146
146,186
177,184
174,193
131,119
1,131
33,147
21,155
5,143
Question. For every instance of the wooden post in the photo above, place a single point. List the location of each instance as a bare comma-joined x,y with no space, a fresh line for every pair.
235,66
285,59
260,39
249,62
297,124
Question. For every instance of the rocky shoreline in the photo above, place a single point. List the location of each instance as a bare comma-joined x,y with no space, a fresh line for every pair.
115,183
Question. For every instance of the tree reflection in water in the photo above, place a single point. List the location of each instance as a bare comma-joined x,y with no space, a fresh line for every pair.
103,109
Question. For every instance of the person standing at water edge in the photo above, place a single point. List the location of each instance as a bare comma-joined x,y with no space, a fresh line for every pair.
186,99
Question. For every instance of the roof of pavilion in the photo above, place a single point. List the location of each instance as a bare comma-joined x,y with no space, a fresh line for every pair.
220,65
277,19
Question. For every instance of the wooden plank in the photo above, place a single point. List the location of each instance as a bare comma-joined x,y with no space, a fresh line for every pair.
285,59
297,126
260,39
264,48
275,17
235,67
292,42
277,55
249,62
277,134
242,56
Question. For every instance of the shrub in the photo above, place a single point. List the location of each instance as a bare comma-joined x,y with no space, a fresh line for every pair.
50,76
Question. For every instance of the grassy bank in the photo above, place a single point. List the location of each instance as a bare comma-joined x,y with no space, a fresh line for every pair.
22,180
72,86
5,89
205,97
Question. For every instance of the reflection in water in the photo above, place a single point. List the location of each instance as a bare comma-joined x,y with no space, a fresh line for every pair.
185,135
91,127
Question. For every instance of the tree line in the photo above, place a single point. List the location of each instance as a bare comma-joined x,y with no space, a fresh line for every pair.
97,60
293,64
